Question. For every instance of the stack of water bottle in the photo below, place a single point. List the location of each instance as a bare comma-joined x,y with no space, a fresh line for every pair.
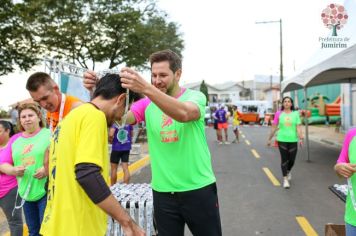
137,200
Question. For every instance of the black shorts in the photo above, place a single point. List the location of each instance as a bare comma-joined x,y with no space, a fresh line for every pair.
199,209
116,156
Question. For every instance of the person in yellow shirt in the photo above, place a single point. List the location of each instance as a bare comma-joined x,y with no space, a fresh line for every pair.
79,198
235,123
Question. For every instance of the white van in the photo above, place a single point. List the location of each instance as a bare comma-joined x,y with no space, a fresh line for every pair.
253,110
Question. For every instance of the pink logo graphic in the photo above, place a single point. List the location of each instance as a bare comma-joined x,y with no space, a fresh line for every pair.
166,121
334,17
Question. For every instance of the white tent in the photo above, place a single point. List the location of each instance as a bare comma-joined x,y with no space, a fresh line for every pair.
340,68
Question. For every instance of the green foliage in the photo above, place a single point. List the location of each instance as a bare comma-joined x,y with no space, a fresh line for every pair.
204,90
86,32
4,114
18,47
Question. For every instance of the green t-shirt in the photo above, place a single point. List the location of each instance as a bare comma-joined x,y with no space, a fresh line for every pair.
30,152
350,212
287,127
180,157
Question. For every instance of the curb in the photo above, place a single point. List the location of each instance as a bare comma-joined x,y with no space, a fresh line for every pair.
325,142
134,167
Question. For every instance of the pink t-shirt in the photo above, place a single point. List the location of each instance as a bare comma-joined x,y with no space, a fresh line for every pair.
7,182
344,154
138,108
276,118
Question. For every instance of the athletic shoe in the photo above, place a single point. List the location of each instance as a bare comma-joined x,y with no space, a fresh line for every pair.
289,176
220,143
226,142
234,141
286,183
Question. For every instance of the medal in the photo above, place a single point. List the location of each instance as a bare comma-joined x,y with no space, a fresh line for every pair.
122,135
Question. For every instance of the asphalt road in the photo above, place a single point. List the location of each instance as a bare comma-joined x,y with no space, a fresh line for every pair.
250,204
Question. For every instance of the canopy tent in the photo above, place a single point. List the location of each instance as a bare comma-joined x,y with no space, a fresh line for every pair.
340,68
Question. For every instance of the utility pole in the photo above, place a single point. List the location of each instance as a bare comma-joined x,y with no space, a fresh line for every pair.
280,50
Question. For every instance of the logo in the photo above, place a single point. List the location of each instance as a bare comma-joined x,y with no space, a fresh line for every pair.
334,17
166,121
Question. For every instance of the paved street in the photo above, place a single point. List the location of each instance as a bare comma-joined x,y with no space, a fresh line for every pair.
249,201
252,205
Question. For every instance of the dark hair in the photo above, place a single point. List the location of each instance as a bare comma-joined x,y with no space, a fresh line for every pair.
37,80
8,127
175,62
109,87
292,107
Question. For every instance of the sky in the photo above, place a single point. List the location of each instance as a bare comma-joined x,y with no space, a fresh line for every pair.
223,43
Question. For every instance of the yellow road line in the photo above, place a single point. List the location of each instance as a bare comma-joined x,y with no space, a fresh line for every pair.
25,231
306,226
254,152
271,177
134,167
247,142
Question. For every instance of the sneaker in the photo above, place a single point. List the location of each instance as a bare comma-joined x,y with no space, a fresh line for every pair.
286,183
234,141
226,142
289,176
220,143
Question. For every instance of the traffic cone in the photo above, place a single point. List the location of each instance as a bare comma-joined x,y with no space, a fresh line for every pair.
275,143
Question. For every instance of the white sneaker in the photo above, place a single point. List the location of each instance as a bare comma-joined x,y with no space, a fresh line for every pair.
220,143
226,142
289,176
286,183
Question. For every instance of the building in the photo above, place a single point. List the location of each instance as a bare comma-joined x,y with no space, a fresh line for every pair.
222,93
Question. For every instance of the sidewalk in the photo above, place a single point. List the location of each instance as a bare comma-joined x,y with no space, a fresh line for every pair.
325,135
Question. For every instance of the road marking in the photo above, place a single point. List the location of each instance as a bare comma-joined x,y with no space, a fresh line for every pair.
134,167
306,226
254,152
271,177
24,232
247,142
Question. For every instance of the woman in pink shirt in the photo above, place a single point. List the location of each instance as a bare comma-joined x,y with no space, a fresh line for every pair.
8,185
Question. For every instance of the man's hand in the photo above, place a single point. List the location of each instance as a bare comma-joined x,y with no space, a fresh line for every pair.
133,80
90,80
345,169
133,230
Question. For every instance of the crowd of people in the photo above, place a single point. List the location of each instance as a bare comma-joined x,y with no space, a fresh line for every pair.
57,169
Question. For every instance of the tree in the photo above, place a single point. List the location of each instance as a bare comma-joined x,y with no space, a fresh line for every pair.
334,17
86,32
204,90
18,47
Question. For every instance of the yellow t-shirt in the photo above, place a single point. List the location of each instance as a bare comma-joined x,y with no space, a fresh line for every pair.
235,120
80,138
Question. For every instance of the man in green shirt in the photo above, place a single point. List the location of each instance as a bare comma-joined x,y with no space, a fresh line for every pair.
183,182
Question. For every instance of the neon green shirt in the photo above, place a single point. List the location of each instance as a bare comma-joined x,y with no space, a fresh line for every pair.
30,152
350,212
287,127
180,157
